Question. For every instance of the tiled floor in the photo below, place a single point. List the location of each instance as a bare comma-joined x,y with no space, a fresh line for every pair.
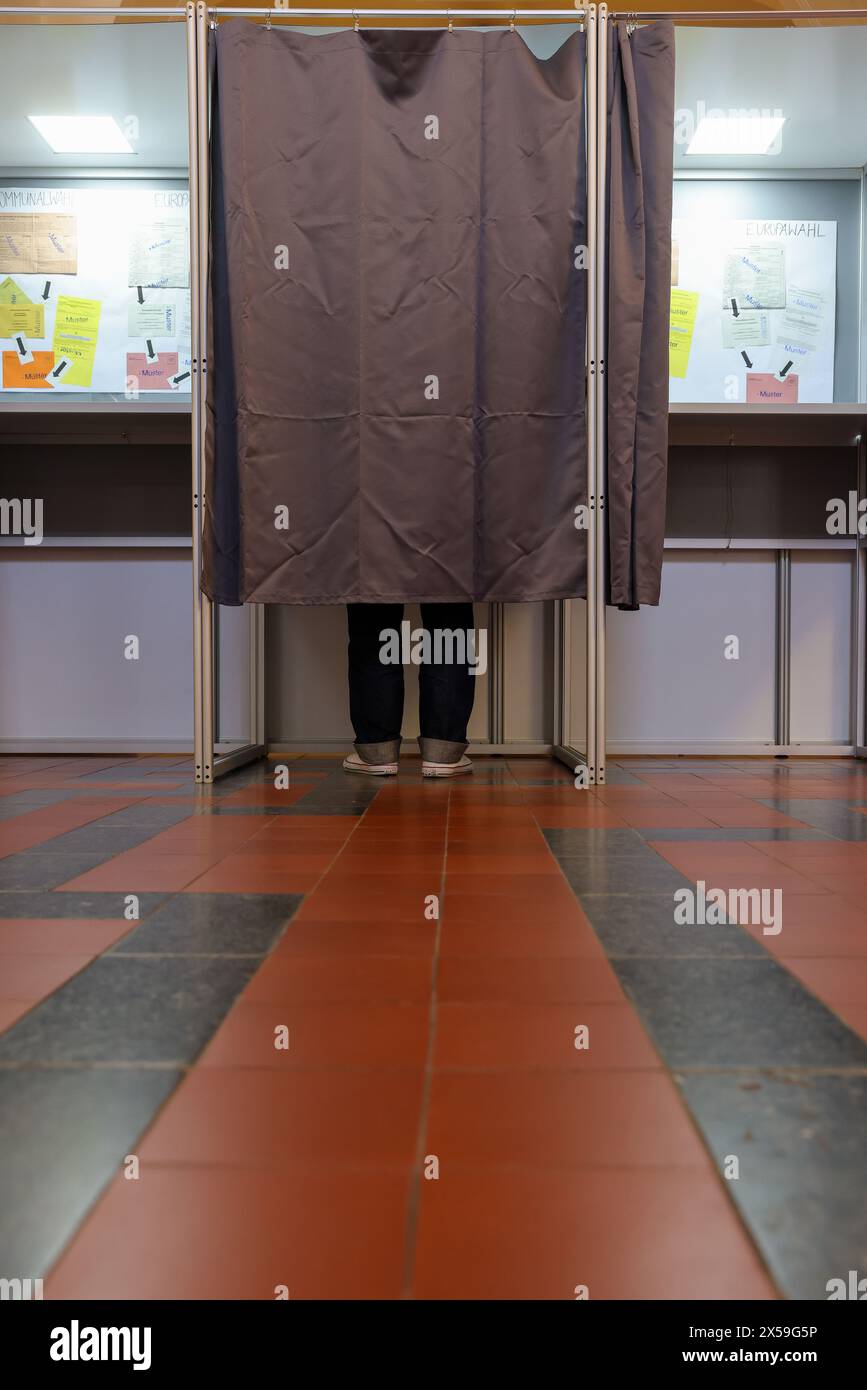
431,1040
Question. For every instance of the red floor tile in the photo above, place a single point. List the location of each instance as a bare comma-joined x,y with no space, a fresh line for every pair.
400,898
499,1036
622,1234
357,939
835,980
502,862
285,979
825,936
234,1233
255,873
554,1119
248,1117
34,976
527,980
675,817
321,1036
565,818
136,872
539,939
495,909
58,936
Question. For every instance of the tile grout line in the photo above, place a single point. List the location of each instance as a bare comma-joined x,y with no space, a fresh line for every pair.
413,1208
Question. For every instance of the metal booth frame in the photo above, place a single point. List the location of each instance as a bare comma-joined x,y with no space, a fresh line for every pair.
571,745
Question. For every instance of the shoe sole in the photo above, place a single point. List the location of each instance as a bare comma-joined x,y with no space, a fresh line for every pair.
445,771
373,771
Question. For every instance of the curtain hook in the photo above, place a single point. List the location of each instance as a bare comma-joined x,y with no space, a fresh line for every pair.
268,21
355,17
512,22
451,22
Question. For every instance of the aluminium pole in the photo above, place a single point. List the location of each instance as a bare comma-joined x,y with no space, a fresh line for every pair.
601,391
202,151
195,422
591,107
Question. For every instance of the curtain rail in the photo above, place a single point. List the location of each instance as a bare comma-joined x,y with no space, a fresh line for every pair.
756,16
281,11
277,12
38,10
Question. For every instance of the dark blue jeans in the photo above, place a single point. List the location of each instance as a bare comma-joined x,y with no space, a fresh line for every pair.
446,688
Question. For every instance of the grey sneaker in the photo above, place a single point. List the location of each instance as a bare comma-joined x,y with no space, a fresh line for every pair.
355,764
463,764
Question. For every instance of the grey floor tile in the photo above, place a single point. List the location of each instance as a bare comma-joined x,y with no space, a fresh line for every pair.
97,838
645,926
36,869
239,811
767,832
736,1013
620,777
131,1009
213,923
800,1141
19,803
576,843
64,1135
146,815
830,816
627,873
74,904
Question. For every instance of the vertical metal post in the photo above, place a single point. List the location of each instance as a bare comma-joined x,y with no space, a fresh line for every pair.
257,675
784,647
196,430
857,732
601,157
593,249
203,200
497,678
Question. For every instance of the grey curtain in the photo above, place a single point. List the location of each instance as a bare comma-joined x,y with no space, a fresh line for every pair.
640,160
396,399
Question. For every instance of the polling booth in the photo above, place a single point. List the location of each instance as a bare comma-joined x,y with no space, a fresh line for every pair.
758,643
743,488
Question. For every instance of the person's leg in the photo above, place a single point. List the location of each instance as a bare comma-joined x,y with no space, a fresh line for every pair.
375,687
446,687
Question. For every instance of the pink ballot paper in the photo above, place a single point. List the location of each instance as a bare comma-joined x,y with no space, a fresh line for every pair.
764,387
152,374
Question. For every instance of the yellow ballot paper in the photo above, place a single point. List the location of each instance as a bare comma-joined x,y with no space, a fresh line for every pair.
11,293
27,319
684,307
76,327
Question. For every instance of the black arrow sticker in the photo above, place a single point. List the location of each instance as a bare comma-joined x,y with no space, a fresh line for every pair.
140,294
47,290
785,370
746,359
150,348
182,376
735,310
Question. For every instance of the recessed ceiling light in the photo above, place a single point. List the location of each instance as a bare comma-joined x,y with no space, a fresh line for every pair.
738,134
82,134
